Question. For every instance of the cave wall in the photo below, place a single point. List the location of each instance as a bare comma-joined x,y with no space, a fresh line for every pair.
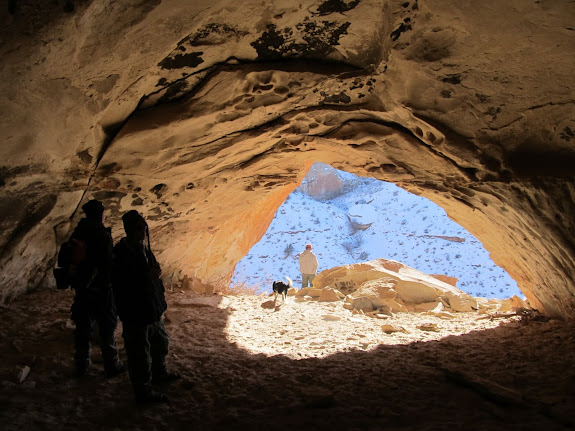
205,116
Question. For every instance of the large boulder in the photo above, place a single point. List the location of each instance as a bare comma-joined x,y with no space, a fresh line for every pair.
409,284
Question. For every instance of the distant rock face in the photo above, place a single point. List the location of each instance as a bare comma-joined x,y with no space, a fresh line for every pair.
322,182
205,116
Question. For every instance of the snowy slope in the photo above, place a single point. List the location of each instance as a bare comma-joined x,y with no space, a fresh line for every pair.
404,227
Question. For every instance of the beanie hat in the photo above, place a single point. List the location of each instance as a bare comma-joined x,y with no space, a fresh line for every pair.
93,209
131,219
308,247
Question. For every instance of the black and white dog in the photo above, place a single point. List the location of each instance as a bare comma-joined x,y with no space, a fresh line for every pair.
280,288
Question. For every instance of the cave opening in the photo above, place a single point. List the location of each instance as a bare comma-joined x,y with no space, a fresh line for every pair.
351,219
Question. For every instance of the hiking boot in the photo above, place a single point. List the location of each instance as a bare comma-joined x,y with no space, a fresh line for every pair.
151,397
165,376
115,370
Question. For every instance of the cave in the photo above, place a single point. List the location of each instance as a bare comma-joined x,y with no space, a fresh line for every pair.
204,116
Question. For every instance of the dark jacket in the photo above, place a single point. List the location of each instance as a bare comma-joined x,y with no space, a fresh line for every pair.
94,272
139,296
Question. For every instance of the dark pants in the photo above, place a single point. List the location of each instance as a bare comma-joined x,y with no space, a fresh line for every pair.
146,348
91,308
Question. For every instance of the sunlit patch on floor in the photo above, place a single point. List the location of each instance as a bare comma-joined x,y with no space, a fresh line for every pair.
304,328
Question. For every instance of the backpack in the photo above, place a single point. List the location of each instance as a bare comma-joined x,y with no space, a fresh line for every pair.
70,257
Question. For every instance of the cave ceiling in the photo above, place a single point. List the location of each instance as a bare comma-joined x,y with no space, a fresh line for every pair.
205,115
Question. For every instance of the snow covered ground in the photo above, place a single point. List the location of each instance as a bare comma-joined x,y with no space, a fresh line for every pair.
405,228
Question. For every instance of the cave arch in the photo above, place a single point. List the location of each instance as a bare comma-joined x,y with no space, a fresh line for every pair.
244,164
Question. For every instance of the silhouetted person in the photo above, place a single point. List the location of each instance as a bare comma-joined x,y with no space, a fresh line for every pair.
307,266
141,304
94,300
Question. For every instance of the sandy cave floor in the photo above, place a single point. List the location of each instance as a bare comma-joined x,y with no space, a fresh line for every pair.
308,365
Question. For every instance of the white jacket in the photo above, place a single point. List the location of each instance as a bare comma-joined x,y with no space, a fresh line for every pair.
307,262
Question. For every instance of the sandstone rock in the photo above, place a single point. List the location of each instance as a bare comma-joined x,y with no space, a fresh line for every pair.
505,305
385,309
390,329
381,293
314,293
483,304
339,294
435,306
463,303
444,301
392,265
387,283
330,317
302,292
430,327
413,291
441,314
377,314
363,303
328,295
446,279
517,302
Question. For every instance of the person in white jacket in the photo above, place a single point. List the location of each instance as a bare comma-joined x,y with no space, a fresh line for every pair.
307,266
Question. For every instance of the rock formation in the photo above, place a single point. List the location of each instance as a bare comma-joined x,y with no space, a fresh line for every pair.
205,115
323,182
388,283
381,287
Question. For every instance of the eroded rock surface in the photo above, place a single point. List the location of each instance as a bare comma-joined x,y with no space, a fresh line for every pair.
205,115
